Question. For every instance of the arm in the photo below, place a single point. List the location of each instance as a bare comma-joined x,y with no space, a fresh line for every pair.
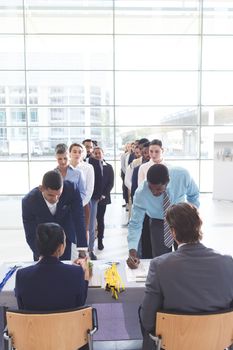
110,182
141,175
29,223
153,298
78,217
82,185
192,192
90,179
135,226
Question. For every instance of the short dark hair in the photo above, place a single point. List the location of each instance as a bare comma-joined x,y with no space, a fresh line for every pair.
142,141
61,148
52,179
158,174
156,142
146,144
87,140
185,220
48,238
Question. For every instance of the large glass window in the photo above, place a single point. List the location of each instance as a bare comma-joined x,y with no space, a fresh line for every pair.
113,71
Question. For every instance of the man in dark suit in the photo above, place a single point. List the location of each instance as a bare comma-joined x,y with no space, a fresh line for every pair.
55,201
96,195
194,278
107,185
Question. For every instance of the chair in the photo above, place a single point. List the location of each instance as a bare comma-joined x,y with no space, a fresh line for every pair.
62,330
212,331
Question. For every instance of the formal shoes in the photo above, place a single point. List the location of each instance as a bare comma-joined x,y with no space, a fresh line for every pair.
123,205
100,245
92,256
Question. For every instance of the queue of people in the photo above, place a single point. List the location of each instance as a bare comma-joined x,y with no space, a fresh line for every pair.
60,219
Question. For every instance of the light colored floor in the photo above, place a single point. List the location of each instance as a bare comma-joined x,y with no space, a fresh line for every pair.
217,218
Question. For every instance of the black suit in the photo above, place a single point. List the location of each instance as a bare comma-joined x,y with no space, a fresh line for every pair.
107,185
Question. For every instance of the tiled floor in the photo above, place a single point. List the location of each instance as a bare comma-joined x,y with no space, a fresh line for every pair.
218,233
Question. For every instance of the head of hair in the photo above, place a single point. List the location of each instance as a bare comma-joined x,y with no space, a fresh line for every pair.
158,174
142,141
146,144
185,220
156,142
98,147
49,237
87,140
61,148
53,180
75,145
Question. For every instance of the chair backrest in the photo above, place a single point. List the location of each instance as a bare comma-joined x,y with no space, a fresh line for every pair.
202,332
59,330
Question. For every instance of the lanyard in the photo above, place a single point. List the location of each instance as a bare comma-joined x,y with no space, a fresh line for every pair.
7,276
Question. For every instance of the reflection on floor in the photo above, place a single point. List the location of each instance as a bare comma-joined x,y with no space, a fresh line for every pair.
217,228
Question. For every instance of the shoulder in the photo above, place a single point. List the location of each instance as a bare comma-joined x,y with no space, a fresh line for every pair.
30,196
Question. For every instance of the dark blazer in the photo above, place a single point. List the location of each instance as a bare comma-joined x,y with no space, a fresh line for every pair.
194,278
69,215
98,178
50,285
107,183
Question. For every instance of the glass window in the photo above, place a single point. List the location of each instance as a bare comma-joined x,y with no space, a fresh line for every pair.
74,16
217,88
69,52
217,17
11,51
157,17
11,16
217,52
156,88
150,52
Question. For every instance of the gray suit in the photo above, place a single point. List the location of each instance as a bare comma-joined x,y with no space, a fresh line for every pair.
192,279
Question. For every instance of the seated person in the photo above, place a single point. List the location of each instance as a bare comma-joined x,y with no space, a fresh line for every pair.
51,285
193,278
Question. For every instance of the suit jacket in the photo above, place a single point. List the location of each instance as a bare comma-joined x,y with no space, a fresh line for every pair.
98,178
192,279
107,183
50,285
69,214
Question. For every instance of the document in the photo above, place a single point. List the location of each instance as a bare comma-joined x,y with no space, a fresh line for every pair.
139,274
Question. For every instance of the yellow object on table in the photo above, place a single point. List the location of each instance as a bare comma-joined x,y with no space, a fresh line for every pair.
113,280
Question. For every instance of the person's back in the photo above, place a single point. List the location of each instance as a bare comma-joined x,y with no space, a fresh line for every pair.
50,284
195,279
192,279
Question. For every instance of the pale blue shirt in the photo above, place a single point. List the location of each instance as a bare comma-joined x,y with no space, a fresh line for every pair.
181,188
76,175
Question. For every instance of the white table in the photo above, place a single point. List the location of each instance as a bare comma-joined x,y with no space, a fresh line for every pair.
130,299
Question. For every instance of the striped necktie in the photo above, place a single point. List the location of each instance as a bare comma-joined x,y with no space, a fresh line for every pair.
168,238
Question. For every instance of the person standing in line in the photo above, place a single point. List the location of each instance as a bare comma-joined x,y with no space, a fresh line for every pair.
77,153
156,157
164,186
193,279
56,201
68,172
95,196
107,185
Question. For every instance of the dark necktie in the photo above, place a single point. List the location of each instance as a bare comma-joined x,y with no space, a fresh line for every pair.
168,238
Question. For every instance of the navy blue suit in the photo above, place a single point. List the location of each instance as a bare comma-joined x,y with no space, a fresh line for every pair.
50,285
69,214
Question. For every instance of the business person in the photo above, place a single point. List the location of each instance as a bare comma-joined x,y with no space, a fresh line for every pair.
57,201
105,199
163,186
50,284
194,278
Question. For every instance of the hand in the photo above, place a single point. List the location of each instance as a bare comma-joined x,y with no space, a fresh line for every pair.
133,261
83,262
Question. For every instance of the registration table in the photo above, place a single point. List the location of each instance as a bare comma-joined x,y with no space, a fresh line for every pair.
118,319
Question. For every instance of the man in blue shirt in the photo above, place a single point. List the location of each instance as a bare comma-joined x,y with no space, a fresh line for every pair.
175,182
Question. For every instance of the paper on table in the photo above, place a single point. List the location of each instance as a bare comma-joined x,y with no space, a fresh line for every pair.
139,274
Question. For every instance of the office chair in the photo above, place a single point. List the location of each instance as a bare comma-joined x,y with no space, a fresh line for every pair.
62,330
212,331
